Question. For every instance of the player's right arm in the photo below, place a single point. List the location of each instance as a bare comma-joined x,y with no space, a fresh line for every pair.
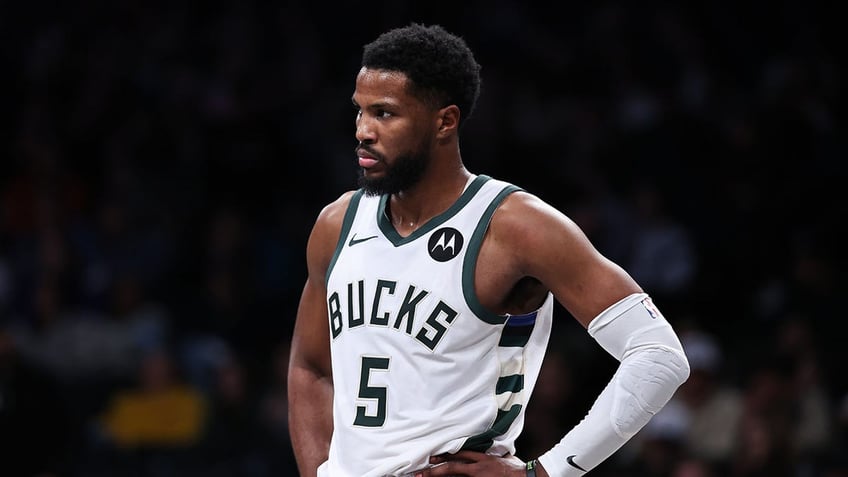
310,379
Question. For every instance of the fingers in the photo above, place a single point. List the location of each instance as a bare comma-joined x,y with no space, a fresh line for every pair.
451,464
462,456
471,464
446,469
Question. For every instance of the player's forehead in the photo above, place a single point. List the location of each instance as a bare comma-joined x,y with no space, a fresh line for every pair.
376,86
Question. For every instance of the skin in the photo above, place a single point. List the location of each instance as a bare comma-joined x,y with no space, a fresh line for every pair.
530,248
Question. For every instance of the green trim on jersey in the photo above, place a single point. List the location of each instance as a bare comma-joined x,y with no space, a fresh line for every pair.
389,230
350,213
510,341
471,255
483,441
510,384
506,384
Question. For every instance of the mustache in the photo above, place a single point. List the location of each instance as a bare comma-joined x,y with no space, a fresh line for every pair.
362,148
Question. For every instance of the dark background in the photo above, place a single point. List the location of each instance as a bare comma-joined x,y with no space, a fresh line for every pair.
163,162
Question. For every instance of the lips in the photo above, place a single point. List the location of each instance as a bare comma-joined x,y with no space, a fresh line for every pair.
366,159
367,162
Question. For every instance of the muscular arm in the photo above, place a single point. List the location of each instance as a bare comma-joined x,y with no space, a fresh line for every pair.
310,386
549,247
529,239
532,239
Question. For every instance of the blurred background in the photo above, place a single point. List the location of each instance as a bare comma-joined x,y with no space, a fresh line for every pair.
163,163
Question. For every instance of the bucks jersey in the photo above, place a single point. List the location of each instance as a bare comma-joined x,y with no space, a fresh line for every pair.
419,366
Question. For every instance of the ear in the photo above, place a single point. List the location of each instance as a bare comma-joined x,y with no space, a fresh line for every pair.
448,121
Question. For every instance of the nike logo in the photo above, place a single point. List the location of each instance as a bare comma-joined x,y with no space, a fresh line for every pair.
354,240
570,460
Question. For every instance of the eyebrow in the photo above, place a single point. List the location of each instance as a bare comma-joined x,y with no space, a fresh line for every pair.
377,105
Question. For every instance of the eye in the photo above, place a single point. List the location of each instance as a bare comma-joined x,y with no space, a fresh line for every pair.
384,114
358,114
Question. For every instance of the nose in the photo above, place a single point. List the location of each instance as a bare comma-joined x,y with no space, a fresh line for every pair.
364,132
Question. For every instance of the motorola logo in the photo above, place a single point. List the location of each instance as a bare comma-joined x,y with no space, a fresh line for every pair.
445,244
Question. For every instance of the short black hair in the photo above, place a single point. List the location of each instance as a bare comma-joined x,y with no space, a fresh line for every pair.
439,65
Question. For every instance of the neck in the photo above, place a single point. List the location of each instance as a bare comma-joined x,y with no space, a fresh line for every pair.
410,209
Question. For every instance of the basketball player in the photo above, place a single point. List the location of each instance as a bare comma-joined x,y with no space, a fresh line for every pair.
428,305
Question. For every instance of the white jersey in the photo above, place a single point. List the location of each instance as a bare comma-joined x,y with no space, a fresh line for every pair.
419,366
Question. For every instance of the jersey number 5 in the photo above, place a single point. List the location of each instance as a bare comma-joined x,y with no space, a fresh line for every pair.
368,392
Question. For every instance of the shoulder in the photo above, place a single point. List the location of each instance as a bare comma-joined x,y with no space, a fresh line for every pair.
326,230
332,214
536,234
525,213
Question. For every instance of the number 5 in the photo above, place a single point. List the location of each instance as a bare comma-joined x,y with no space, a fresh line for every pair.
371,392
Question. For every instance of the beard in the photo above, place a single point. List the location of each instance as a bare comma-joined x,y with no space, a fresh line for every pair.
403,174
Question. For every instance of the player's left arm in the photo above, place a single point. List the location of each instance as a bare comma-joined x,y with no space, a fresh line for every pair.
542,242
618,314
538,241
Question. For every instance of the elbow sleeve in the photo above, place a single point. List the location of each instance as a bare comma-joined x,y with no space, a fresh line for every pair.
653,365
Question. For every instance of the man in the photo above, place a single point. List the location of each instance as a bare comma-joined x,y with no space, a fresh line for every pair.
427,308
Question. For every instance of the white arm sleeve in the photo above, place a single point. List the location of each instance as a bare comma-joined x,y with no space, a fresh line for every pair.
653,365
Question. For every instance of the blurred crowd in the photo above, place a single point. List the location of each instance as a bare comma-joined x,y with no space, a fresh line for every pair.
163,163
